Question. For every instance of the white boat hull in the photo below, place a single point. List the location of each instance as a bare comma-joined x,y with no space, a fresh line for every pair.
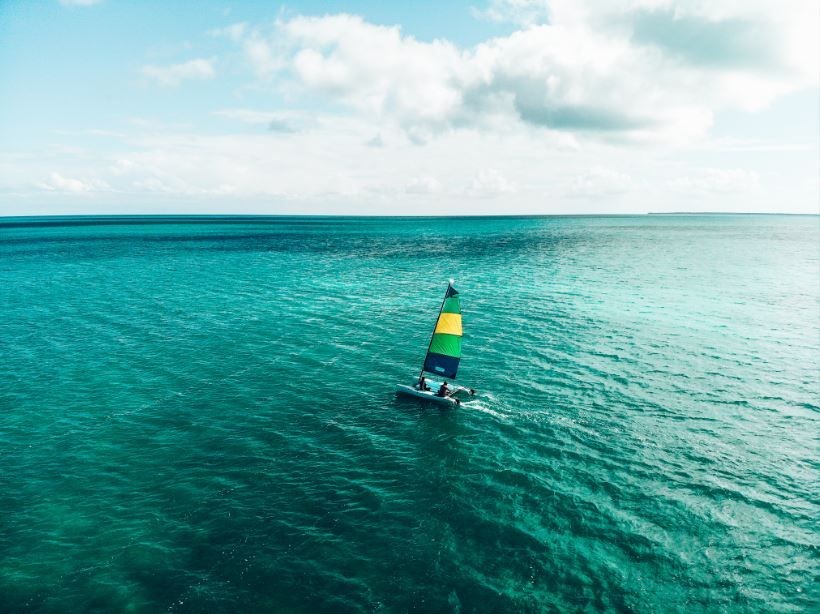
430,395
427,395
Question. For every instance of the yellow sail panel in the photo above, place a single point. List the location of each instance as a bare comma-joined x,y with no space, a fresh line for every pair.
449,324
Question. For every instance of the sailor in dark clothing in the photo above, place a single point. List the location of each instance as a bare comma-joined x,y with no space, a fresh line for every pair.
442,392
422,385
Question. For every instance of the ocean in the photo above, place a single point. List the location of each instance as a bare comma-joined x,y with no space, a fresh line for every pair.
198,415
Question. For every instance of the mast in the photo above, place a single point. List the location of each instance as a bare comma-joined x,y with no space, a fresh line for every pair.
446,295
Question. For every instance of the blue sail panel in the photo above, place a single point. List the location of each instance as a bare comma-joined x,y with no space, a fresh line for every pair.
441,365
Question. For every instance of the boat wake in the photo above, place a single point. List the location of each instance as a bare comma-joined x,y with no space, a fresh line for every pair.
482,406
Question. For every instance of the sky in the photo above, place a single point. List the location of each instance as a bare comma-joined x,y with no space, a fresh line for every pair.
403,108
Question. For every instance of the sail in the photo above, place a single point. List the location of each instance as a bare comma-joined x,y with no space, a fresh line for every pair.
444,351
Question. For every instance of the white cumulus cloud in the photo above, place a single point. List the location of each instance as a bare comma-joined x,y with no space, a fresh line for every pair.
523,12
174,74
59,183
638,70
341,115
423,185
489,183
719,180
275,121
601,183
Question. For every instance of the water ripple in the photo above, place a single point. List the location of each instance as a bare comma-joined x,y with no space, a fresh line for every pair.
199,415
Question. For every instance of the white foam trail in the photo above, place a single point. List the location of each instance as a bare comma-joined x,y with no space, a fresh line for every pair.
479,406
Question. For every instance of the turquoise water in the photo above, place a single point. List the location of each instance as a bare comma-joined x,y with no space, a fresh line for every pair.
198,415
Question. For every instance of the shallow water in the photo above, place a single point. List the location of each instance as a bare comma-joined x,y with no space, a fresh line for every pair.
199,415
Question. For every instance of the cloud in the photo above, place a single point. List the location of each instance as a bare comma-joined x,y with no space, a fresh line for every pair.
59,183
330,168
725,43
376,141
531,121
265,56
623,71
274,121
234,32
734,144
489,183
311,165
718,180
423,185
334,55
601,183
174,74
522,12
756,34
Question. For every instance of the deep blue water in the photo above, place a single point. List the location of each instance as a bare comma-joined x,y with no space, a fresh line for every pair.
199,415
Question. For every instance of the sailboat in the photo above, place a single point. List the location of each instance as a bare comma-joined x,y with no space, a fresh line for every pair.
443,355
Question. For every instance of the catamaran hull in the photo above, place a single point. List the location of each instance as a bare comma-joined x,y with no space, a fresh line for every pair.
427,395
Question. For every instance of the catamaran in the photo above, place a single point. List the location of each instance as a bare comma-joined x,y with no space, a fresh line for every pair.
443,355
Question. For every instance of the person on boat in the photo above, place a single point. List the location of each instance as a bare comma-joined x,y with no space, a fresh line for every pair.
422,385
442,392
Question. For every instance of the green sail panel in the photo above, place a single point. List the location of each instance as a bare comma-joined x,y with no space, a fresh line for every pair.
451,305
446,345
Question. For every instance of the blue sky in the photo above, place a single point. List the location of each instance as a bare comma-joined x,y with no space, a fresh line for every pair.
494,106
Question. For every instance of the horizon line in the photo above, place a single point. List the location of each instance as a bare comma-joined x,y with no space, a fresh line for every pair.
43,216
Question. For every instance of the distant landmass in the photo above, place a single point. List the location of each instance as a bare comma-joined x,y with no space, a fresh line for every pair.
724,213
